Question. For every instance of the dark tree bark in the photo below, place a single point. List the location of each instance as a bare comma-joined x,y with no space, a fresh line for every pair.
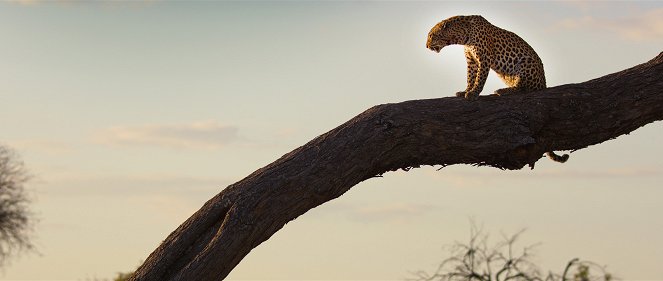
506,132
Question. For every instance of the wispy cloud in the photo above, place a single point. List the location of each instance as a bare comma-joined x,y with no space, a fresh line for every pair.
42,145
643,26
385,212
184,186
199,135
134,3
23,2
395,211
166,196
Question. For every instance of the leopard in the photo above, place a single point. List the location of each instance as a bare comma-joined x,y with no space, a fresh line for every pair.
490,47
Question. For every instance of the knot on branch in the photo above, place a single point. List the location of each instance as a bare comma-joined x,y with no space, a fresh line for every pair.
384,123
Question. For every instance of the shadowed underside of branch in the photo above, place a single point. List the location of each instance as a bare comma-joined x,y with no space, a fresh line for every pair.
506,132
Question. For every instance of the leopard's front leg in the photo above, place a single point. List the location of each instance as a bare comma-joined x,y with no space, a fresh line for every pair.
479,82
472,69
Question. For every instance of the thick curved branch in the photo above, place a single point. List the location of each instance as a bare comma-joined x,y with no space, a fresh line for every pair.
505,132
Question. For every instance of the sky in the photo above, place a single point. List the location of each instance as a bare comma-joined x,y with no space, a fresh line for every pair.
130,115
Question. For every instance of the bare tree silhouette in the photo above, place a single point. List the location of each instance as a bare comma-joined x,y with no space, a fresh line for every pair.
476,260
15,217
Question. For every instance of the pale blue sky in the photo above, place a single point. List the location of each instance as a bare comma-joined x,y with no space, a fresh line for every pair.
132,114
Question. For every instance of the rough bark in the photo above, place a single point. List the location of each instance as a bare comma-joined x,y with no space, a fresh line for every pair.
506,132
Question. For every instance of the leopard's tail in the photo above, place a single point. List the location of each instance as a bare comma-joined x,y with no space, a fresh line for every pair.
557,158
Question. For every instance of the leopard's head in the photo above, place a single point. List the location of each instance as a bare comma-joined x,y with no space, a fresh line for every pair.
454,30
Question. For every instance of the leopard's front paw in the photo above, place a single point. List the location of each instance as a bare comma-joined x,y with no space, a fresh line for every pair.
471,96
461,94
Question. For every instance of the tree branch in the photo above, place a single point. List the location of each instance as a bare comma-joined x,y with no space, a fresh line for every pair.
505,132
